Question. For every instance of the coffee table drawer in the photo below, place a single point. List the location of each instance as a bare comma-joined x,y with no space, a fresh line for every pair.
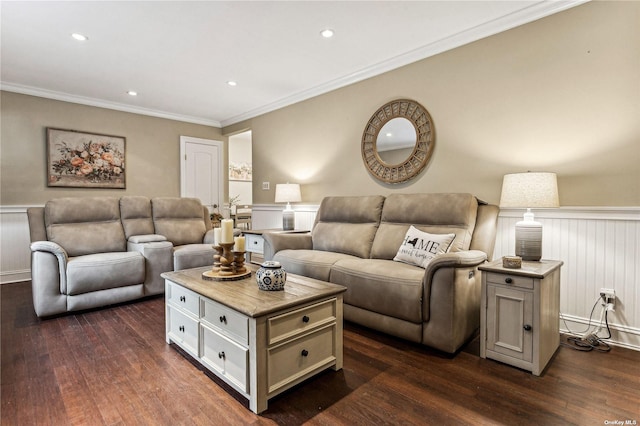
225,357
292,323
183,330
183,298
291,361
227,321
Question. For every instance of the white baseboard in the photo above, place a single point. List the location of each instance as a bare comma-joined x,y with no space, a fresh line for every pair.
15,276
621,335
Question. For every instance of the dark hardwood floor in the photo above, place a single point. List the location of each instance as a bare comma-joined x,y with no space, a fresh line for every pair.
112,366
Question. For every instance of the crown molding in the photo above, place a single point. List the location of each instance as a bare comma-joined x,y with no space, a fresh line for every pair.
100,103
504,23
536,11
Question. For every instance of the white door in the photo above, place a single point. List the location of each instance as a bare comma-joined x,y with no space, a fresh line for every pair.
201,170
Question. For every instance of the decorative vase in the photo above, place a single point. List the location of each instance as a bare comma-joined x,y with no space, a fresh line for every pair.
271,276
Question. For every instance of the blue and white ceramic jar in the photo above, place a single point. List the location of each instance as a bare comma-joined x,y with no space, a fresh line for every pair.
271,276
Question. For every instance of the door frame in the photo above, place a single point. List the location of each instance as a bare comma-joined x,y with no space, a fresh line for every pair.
183,161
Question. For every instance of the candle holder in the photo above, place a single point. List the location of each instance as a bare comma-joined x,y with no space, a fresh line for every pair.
216,258
226,260
238,262
228,265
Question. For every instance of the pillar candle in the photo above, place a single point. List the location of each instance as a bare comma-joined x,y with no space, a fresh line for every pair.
239,244
217,234
227,231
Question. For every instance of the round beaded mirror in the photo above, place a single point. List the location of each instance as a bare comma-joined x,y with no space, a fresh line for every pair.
397,141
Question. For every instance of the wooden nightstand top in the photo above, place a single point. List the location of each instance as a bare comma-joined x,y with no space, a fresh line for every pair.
529,269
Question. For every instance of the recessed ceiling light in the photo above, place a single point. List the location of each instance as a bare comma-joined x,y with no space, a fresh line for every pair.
79,37
327,33
232,83
132,93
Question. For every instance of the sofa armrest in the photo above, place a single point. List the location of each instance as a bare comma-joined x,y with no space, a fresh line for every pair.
274,242
451,299
147,238
158,257
48,278
56,250
209,237
459,259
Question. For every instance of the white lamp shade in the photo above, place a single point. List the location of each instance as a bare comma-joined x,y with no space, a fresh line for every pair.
288,193
527,190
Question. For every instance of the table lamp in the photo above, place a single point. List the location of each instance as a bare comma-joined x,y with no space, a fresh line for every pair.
529,190
288,193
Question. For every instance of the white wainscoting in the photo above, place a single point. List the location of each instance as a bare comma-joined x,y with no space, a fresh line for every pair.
15,255
600,247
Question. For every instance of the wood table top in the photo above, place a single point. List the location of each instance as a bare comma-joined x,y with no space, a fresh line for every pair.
538,269
244,295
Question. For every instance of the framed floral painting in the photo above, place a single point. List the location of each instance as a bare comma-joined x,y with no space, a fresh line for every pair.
85,160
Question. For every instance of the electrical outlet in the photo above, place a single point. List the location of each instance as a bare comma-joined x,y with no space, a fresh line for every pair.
265,186
608,297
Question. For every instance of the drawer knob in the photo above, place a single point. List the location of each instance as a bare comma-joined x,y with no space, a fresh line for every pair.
221,355
183,299
181,328
304,352
305,319
223,319
527,327
508,280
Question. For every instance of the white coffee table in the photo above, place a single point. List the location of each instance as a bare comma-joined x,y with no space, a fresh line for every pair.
259,342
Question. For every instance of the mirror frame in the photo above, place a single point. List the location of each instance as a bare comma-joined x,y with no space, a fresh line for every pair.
425,141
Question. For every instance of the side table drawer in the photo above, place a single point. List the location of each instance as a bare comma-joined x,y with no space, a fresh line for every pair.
284,326
227,321
225,357
291,361
254,243
183,298
510,280
183,330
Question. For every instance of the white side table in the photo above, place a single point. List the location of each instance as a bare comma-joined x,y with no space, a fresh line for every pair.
520,313
255,242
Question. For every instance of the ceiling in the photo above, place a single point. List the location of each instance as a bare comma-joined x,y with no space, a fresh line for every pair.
178,56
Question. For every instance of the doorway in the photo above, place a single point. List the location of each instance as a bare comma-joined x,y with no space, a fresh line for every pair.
201,170
240,169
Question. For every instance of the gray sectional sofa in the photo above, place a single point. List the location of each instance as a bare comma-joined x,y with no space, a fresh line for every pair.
354,241
92,252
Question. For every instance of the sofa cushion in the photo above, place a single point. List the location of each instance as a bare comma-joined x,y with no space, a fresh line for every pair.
103,271
347,224
309,263
192,256
383,286
433,213
180,220
85,225
135,212
419,248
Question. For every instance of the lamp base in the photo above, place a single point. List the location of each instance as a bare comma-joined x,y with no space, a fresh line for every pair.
288,220
529,240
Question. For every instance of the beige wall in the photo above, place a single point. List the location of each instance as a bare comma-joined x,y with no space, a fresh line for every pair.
561,94
152,148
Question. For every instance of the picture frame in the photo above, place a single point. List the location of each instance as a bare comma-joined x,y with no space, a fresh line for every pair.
78,159
240,171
